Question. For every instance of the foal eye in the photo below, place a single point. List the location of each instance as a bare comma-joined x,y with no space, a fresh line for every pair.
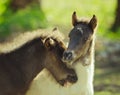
78,31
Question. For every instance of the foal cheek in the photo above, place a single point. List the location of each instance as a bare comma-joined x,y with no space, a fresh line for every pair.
78,49
72,45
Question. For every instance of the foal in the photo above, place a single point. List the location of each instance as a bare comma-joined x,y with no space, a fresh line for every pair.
20,66
82,41
80,52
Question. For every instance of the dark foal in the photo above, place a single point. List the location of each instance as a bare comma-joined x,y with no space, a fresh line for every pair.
80,53
19,67
81,39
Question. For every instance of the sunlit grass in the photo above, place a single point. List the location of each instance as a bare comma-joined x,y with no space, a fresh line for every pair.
59,13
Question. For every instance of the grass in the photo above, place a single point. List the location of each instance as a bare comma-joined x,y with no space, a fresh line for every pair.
107,81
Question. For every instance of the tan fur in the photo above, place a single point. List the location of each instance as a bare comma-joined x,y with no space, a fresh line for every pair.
23,38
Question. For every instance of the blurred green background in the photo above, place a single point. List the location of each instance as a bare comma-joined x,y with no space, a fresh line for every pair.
28,15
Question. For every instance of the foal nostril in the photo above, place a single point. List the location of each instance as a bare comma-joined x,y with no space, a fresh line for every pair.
67,55
72,79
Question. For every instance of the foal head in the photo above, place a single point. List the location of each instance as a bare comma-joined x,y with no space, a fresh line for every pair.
54,63
80,38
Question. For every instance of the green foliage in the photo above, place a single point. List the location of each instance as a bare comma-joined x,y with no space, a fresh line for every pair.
3,7
113,35
23,20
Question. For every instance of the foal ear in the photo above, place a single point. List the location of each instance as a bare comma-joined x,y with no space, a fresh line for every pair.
49,43
93,22
74,19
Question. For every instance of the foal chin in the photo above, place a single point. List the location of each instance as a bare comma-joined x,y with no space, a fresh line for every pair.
76,54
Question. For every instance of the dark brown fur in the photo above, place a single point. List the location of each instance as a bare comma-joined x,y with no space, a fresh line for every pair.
19,67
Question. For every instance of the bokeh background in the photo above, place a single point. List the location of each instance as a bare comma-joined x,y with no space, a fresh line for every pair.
18,16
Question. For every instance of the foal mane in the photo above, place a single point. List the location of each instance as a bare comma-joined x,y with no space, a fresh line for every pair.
84,20
27,37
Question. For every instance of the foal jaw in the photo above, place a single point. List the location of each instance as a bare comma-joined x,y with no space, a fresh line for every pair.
71,78
78,54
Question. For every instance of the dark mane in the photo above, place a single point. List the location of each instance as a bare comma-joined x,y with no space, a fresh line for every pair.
33,52
29,44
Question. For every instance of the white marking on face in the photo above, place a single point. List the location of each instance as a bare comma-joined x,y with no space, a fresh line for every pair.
80,29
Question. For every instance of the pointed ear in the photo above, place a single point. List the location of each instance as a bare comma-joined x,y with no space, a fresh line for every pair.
93,22
74,19
49,43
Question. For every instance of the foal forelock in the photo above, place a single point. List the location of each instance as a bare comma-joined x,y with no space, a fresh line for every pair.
27,37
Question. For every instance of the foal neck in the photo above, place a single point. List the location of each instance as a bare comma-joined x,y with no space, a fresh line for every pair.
34,62
89,56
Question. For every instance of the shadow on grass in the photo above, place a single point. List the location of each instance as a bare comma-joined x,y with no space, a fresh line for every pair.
107,80
108,87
